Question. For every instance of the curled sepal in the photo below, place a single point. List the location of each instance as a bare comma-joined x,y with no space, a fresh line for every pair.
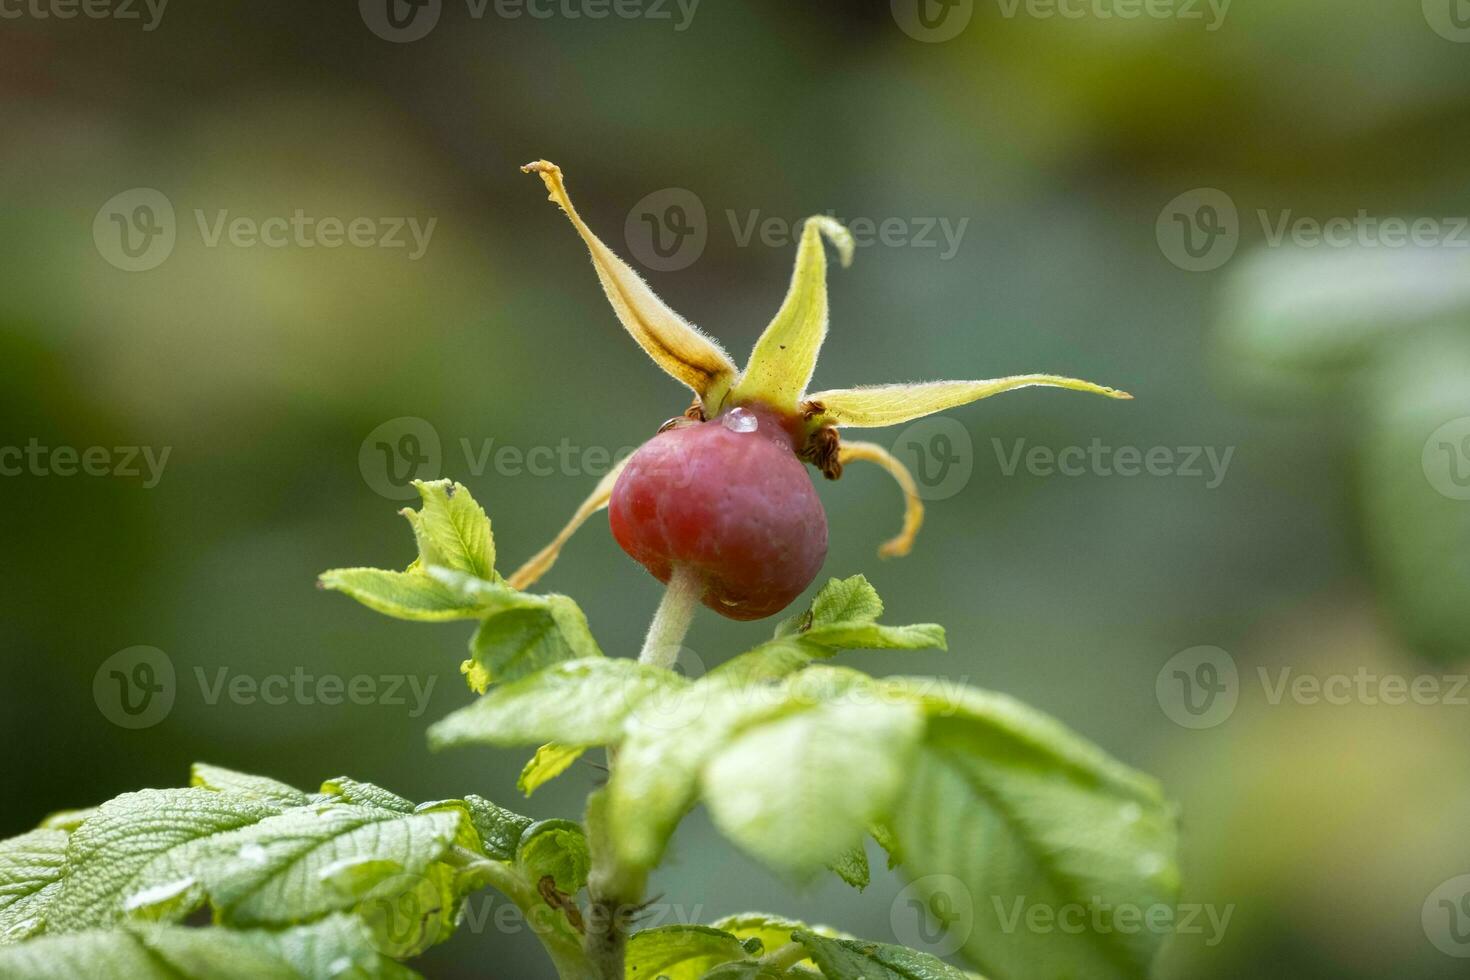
786,353
540,563
674,344
913,507
882,405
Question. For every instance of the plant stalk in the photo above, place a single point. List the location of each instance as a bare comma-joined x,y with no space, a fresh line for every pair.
671,622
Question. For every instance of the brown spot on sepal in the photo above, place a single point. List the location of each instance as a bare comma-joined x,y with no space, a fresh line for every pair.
823,450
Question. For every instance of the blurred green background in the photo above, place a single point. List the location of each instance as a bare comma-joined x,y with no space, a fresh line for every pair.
1327,547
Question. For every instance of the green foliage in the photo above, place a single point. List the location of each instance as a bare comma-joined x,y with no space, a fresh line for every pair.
799,762
1385,334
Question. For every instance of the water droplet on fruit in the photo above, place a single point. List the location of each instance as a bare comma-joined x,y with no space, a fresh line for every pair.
740,420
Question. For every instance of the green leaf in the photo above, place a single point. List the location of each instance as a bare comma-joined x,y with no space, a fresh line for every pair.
680,952
222,780
661,762
347,790
557,848
31,867
311,861
773,931
410,595
581,702
139,855
843,616
334,948
1019,812
452,530
846,600
852,867
1311,317
799,792
500,830
1415,478
550,761
512,644
68,820
854,959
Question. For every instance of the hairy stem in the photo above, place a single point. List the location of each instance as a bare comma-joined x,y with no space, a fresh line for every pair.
671,621
549,925
615,892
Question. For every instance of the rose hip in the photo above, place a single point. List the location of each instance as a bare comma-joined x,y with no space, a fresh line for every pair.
729,500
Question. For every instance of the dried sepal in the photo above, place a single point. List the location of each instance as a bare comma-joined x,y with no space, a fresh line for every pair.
676,345
784,357
540,563
913,507
882,405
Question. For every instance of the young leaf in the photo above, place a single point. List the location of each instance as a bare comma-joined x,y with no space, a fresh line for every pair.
680,952
1025,813
452,530
31,867
222,780
580,702
68,820
854,959
550,761
846,600
411,595
799,792
314,952
351,791
512,644
852,867
139,856
555,848
500,830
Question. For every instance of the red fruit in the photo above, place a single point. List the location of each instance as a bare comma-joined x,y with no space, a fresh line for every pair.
729,500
